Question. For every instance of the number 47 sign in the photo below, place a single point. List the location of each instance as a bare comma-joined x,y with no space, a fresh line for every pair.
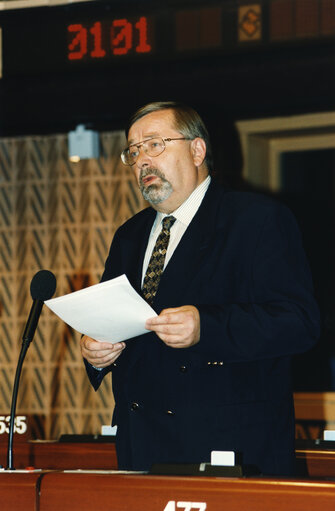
185,506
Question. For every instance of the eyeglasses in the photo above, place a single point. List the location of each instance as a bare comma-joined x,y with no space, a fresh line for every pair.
152,147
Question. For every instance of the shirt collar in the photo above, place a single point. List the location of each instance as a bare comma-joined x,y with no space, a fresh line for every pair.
187,209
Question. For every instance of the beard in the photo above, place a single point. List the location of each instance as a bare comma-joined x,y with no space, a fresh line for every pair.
157,192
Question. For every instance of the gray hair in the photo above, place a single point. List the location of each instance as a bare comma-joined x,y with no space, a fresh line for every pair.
187,121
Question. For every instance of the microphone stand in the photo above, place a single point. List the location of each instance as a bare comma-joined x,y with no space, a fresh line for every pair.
26,340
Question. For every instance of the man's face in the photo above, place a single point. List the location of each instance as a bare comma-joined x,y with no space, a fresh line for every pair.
168,179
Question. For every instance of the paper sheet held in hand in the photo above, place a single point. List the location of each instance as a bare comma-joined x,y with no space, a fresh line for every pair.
111,311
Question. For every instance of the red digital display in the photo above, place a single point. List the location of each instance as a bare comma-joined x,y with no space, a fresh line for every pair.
103,40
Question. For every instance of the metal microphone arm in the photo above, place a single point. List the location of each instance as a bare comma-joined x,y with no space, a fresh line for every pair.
42,287
28,336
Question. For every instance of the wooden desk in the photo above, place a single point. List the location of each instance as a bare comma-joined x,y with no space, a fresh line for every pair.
84,492
311,462
53,455
54,491
64,455
19,492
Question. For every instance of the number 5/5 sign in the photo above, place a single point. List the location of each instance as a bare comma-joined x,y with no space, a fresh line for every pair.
185,506
20,425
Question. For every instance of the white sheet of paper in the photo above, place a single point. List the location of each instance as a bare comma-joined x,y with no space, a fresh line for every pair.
111,311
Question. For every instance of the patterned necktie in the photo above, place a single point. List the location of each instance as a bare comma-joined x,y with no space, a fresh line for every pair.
156,263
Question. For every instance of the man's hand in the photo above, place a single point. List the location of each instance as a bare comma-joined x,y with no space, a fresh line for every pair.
100,354
178,327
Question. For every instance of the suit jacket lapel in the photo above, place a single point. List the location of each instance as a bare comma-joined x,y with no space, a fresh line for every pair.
188,256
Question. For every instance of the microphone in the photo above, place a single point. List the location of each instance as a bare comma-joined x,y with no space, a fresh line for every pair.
42,287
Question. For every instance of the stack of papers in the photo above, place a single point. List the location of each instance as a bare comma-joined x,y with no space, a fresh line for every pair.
111,311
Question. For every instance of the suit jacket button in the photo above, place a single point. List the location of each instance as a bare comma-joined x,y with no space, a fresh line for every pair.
183,369
169,412
134,406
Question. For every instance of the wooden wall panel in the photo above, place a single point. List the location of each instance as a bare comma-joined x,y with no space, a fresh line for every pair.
61,216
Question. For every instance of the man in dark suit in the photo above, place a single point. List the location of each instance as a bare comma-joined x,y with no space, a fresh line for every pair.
234,303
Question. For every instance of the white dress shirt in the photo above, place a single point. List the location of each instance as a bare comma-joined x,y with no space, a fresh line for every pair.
184,215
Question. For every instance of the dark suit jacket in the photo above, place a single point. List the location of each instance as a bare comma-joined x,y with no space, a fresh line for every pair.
241,263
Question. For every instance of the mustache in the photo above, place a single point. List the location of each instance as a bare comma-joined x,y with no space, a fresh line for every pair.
152,172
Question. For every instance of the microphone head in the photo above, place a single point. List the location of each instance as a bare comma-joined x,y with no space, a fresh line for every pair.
43,285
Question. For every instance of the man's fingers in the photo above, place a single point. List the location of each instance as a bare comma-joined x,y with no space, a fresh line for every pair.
168,318
100,354
92,345
174,328
175,341
177,327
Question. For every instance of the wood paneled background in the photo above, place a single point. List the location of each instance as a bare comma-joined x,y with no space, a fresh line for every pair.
60,216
